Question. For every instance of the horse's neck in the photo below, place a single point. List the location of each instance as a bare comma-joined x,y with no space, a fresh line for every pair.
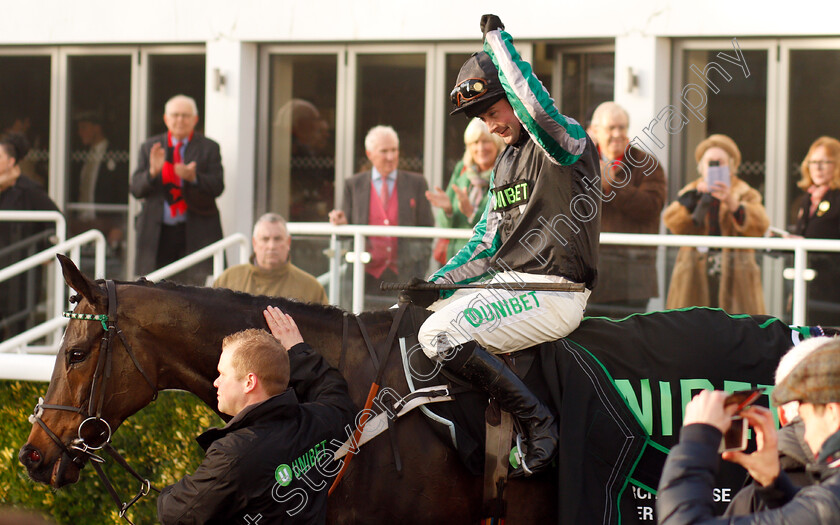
190,357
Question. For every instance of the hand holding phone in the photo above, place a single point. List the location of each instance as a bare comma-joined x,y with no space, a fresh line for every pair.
716,173
735,438
763,463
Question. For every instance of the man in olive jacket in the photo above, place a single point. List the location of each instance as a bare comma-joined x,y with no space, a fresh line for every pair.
272,463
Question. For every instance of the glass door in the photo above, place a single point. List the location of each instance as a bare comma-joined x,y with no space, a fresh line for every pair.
26,91
809,80
97,153
728,87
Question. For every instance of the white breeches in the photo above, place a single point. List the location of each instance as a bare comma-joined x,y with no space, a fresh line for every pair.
503,320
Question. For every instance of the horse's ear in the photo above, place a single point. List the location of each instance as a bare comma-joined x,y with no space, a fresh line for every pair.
78,281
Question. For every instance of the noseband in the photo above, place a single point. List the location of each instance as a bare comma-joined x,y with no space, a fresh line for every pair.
92,416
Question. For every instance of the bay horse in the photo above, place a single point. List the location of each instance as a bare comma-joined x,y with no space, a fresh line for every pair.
170,337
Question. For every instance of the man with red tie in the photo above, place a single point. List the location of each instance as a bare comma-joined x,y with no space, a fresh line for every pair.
386,196
178,177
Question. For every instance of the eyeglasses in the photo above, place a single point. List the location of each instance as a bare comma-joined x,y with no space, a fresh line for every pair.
467,90
820,163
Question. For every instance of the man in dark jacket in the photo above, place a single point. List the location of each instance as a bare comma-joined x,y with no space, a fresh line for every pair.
633,188
178,177
685,489
272,462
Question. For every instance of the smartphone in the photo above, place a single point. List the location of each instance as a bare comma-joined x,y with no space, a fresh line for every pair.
735,439
717,173
170,154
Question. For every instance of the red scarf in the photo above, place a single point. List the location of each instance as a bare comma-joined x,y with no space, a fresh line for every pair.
171,182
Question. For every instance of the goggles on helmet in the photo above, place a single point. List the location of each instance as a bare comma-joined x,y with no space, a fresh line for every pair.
469,89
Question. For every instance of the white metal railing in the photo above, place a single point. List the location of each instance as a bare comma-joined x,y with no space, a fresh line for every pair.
21,362
359,233
38,216
73,246
215,250
799,247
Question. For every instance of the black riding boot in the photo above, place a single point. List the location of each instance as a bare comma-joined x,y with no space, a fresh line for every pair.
490,374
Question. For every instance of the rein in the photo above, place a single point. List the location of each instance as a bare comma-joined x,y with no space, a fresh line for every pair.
93,415
379,366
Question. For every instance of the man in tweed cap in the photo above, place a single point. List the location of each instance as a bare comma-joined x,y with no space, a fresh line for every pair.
685,488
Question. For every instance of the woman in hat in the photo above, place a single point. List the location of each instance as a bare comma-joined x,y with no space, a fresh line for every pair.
717,203
819,218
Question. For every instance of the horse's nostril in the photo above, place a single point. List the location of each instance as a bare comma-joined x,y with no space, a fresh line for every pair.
34,456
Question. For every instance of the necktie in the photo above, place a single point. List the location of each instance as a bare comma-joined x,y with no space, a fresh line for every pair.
383,194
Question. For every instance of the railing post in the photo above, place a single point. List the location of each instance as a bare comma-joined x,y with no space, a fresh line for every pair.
218,264
358,273
799,261
335,270
99,258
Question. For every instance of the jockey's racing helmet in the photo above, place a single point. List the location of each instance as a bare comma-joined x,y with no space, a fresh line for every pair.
478,86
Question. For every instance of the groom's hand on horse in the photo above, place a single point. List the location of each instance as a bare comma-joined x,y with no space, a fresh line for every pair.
422,298
282,327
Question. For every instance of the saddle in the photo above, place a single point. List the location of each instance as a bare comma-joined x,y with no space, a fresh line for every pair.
465,419
481,432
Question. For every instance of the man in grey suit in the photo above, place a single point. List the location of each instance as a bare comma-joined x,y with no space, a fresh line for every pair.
178,177
385,195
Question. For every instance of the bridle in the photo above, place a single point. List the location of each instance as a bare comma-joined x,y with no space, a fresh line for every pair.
92,417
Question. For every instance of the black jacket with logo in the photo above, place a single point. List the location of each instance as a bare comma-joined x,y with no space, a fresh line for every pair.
281,439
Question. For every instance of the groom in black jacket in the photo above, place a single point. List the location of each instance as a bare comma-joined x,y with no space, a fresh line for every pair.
272,463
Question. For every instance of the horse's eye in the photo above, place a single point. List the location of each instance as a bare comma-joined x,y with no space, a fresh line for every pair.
76,356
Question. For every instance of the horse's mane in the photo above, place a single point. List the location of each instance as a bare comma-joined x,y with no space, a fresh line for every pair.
204,295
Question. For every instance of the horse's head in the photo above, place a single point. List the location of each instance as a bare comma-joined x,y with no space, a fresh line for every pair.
98,381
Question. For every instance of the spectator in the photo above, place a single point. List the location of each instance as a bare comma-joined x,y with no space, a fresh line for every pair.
178,177
685,488
462,204
270,272
286,403
301,138
633,185
795,458
399,201
101,178
19,240
819,218
728,279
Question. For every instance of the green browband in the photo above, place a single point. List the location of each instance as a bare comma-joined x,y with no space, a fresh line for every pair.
102,318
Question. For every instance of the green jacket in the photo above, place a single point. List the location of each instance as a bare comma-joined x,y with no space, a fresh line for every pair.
460,178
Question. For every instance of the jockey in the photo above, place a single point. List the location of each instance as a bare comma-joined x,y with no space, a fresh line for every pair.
540,226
